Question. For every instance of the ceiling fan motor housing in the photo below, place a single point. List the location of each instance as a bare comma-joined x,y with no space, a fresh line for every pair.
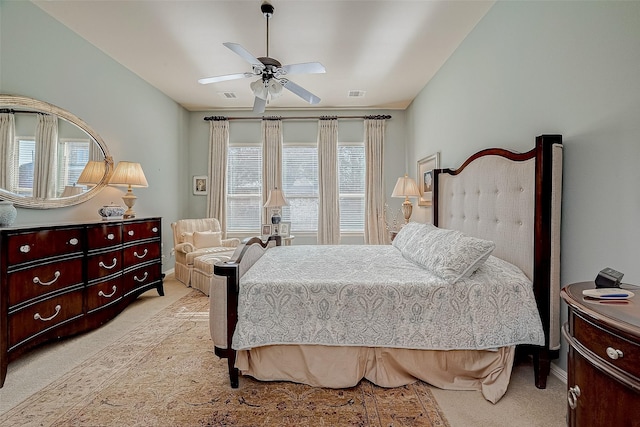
267,10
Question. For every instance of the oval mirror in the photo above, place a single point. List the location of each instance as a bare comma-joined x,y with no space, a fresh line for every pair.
49,157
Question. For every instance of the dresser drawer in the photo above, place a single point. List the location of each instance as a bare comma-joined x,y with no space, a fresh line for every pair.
607,345
104,264
103,293
103,236
143,252
141,277
37,245
132,231
42,279
43,315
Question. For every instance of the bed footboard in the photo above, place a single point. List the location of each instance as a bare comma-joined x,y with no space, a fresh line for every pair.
232,271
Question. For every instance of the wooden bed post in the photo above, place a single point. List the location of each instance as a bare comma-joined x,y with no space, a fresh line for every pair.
231,270
542,248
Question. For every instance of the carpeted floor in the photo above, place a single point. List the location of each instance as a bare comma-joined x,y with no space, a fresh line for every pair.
163,373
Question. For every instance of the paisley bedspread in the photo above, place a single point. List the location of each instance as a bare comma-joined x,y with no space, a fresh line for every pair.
360,295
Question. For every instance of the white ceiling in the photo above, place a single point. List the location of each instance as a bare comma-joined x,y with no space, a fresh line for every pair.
389,49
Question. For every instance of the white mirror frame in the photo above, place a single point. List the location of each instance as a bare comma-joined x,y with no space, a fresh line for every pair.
13,101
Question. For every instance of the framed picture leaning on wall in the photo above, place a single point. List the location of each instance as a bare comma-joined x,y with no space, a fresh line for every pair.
426,166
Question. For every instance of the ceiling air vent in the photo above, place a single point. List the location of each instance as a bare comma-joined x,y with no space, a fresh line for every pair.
356,93
228,95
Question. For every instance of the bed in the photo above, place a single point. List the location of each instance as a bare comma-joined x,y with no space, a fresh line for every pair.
331,315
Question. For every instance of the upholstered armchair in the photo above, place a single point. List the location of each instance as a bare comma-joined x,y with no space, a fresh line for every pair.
196,237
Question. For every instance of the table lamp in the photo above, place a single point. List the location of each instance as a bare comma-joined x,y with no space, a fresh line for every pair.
406,187
129,174
275,201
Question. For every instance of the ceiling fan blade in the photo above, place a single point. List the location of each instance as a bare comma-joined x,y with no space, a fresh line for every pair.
244,54
259,105
300,91
224,78
303,68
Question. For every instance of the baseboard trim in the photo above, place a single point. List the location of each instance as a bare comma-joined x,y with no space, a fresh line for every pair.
558,372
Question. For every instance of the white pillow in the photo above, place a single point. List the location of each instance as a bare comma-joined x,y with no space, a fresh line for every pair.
450,254
207,239
405,234
187,237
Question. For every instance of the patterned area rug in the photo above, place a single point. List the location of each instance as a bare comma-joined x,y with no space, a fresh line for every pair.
165,374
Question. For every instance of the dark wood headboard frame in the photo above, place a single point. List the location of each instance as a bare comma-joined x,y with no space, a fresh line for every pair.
542,152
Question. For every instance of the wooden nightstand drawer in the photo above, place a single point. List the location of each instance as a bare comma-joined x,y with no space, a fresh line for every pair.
132,231
37,245
33,282
607,345
36,318
104,235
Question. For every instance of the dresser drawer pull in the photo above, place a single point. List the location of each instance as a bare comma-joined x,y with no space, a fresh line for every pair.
102,294
46,319
143,277
37,280
108,267
73,241
573,395
130,233
25,249
111,236
144,254
154,229
614,353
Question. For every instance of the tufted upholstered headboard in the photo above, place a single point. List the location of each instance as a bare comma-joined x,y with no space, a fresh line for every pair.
514,200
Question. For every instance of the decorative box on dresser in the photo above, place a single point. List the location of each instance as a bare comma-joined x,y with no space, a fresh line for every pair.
56,281
604,358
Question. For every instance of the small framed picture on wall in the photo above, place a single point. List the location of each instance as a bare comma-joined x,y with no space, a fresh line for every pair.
200,185
426,166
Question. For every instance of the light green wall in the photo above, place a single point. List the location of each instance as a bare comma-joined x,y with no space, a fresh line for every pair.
572,68
42,59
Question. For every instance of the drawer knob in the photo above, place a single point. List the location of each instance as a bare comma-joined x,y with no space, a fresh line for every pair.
37,280
25,249
130,233
154,229
614,353
572,396
46,319
73,241
111,236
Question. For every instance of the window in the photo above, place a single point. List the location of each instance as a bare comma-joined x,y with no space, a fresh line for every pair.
351,169
73,156
26,158
300,186
244,188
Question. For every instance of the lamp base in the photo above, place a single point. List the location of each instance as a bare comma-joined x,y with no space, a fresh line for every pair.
407,208
129,199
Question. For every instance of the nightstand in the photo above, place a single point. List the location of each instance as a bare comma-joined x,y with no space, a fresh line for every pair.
604,358
287,241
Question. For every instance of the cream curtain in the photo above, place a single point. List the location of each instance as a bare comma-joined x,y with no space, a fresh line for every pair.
374,226
217,195
328,191
46,157
8,152
271,160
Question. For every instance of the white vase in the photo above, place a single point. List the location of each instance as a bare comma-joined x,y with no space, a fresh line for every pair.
8,213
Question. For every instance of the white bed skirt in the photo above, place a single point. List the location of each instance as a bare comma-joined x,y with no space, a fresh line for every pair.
342,367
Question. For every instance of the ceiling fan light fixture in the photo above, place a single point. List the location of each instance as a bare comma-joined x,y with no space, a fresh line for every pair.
274,88
259,89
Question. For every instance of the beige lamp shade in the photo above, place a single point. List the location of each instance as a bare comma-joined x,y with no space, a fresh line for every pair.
129,174
276,199
71,190
93,173
406,187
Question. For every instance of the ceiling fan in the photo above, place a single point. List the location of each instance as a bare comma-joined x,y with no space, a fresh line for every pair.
271,72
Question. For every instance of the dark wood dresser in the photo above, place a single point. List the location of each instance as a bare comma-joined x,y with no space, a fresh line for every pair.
603,386
56,281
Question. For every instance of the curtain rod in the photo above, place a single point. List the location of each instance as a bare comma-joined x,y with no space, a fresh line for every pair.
222,118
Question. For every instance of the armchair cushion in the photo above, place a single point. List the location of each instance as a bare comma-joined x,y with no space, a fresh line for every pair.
207,239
